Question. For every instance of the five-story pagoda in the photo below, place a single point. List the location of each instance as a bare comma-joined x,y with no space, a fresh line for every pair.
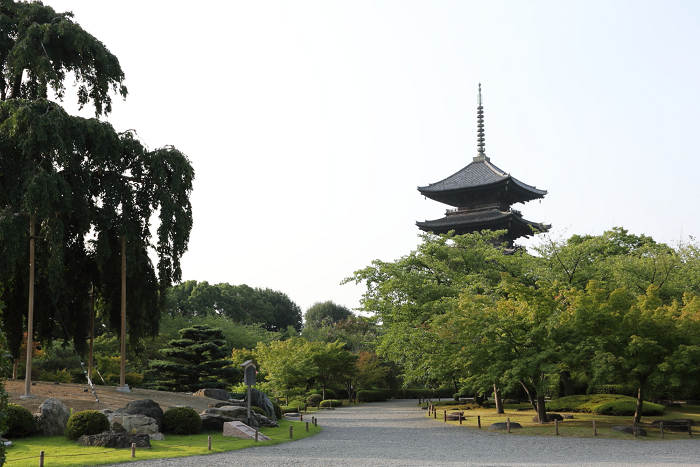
481,195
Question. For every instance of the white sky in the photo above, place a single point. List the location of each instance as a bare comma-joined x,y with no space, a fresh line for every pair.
310,124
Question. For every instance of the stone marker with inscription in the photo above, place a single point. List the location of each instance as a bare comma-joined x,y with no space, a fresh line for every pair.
241,430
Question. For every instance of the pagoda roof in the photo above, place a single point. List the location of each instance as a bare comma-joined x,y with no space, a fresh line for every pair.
492,219
480,175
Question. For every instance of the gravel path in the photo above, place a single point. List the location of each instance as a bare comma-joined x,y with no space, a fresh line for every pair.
396,433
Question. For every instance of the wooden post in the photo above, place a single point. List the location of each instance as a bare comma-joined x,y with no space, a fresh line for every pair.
209,443
508,424
690,430
256,436
315,421
478,421
301,417
661,426
444,415
556,427
634,427
595,430
92,331
133,449
41,459
291,427
30,312
435,414
460,417
307,426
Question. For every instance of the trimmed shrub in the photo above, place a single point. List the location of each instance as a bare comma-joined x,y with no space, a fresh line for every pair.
330,394
604,404
87,422
61,376
289,409
627,408
20,422
422,393
181,421
278,409
331,403
314,399
258,410
373,395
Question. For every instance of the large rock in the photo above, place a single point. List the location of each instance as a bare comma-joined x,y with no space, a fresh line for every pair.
52,417
550,418
261,400
504,426
232,402
215,417
110,439
125,423
262,420
145,407
219,394
629,430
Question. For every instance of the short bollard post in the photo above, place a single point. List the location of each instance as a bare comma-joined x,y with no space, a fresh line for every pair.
209,443
508,424
634,428
256,436
307,426
290,431
444,415
478,420
556,427
41,459
301,418
434,414
133,449
315,421
661,426
690,430
595,431
460,418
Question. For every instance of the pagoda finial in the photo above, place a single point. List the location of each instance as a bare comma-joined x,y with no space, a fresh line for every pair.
481,156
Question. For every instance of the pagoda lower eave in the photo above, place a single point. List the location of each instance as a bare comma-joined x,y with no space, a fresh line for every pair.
492,219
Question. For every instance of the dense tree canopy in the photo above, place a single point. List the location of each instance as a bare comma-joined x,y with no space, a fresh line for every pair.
324,314
85,186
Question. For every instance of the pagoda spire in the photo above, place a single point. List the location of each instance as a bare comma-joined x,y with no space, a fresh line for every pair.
480,138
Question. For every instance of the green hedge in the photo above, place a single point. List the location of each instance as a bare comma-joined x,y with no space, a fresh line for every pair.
20,422
87,422
375,395
604,404
331,403
422,393
181,421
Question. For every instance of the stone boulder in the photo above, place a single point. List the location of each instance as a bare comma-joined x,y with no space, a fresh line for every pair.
262,420
261,400
110,439
452,416
212,393
629,430
232,402
52,417
550,417
504,426
125,423
145,407
215,417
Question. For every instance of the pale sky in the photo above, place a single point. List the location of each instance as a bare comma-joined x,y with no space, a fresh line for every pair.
310,124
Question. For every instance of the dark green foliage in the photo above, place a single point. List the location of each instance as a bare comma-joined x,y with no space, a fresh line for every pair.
181,421
239,303
331,403
433,394
324,314
377,395
20,422
198,360
604,404
330,394
314,399
278,409
258,410
87,422
291,408
237,395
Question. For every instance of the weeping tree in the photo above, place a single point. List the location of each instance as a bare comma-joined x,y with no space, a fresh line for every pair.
85,186
198,360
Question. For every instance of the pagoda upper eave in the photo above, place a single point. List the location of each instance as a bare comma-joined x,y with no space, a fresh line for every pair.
492,219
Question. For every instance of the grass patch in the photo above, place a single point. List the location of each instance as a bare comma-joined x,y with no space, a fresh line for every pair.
604,404
59,451
580,427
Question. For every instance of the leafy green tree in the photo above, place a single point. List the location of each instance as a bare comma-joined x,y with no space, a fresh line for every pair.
198,360
325,313
85,186
371,371
359,333
286,363
330,362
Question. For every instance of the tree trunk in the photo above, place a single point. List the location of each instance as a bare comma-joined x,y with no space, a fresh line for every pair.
17,86
454,383
640,404
529,396
541,409
497,399
568,384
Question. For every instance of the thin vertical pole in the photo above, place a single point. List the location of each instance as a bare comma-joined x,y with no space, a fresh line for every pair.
92,330
209,443
30,313
478,421
508,424
661,425
41,459
122,376
556,427
595,430
133,449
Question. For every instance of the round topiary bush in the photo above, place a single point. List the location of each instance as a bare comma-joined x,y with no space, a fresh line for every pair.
182,421
87,422
258,410
331,403
314,399
278,409
20,422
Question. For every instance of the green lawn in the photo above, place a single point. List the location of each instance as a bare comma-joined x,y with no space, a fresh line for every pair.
581,426
58,451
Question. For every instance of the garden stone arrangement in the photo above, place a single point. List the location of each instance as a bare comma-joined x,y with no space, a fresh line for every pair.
52,417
